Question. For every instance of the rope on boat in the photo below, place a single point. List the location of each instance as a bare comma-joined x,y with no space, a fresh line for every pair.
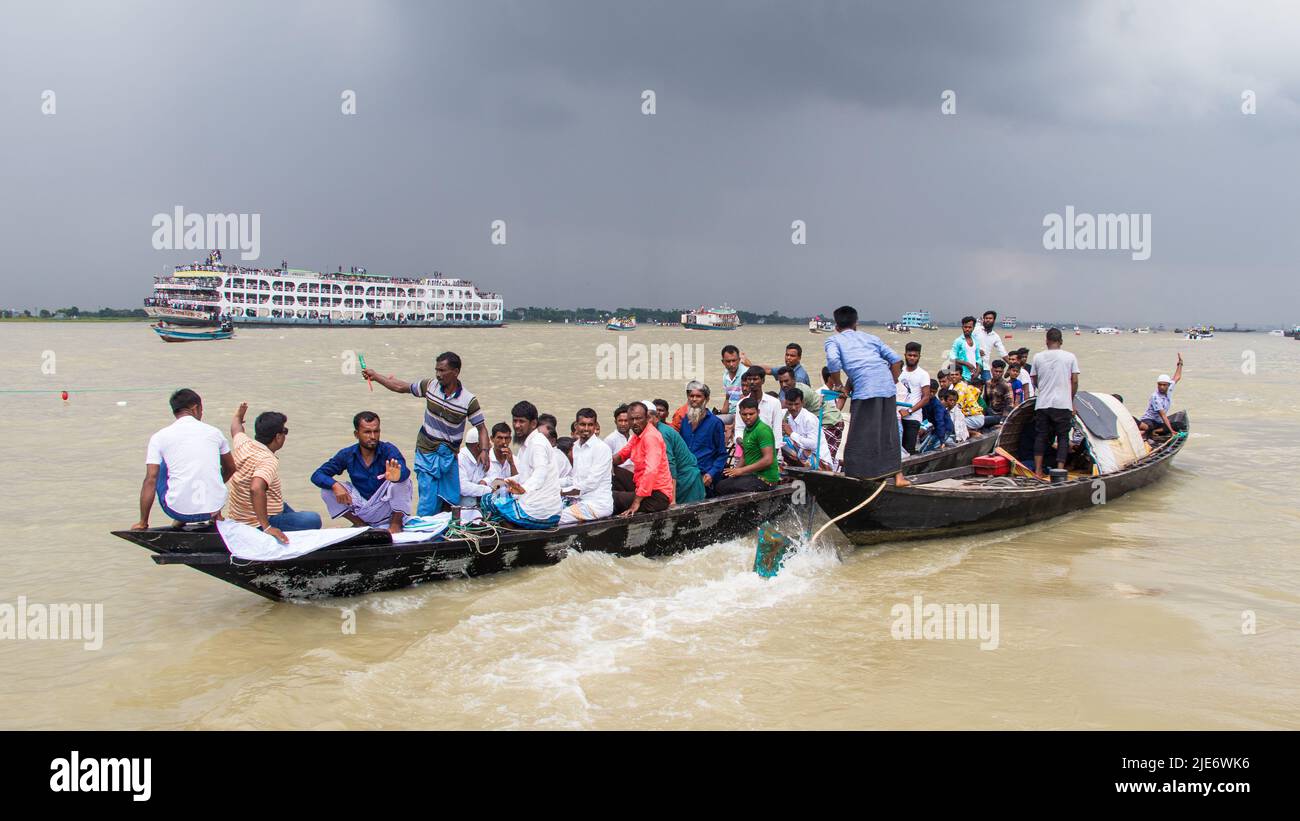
859,506
475,534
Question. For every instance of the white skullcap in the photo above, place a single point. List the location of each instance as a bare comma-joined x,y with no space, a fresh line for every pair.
471,438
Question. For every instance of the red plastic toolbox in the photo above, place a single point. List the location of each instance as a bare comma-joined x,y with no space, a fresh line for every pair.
991,465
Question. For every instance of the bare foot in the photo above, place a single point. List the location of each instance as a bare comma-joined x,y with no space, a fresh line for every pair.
901,481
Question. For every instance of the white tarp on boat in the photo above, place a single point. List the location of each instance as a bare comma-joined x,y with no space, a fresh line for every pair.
251,544
1115,454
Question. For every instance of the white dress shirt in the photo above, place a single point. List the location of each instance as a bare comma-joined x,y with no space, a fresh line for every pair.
540,477
592,468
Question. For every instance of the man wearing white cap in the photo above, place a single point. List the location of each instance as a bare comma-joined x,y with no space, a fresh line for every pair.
474,481
1156,418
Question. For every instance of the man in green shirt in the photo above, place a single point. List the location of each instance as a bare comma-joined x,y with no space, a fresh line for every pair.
688,486
759,445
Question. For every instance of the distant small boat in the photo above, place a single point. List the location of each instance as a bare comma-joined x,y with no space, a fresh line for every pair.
622,323
899,328
1278,332
817,325
1038,326
170,334
1009,323
1202,332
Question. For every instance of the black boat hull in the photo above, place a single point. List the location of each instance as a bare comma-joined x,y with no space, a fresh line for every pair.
922,512
370,562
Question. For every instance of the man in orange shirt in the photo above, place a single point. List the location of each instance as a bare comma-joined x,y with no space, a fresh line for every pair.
254,489
648,487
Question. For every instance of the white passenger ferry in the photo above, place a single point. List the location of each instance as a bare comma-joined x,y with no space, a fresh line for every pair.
209,293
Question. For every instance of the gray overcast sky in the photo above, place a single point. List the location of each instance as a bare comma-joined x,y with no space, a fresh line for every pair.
530,112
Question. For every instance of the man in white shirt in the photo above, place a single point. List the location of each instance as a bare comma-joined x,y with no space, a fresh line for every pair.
769,407
1056,381
803,432
531,499
618,440
913,393
989,342
589,493
187,465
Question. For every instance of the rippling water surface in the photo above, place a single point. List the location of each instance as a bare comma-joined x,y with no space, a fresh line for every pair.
1127,615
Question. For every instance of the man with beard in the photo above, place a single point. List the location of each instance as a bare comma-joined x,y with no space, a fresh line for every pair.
988,341
681,462
648,487
379,494
965,353
589,494
705,435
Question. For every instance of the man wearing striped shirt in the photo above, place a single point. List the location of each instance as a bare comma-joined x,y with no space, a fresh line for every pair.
447,406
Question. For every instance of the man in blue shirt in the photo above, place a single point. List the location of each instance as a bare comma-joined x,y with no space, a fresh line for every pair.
793,361
872,447
705,436
379,493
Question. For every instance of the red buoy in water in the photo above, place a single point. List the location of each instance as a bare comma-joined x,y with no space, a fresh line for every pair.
65,396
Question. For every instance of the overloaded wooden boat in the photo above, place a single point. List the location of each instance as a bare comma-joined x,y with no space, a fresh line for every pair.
955,501
369,562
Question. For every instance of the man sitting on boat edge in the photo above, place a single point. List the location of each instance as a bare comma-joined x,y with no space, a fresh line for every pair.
649,486
254,489
187,465
1156,418
758,446
379,493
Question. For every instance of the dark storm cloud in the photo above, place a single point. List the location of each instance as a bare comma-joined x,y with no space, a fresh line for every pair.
767,113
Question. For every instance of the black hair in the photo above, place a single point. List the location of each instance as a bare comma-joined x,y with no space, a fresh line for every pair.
524,410
1054,335
748,402
620,410
184,398
1023,352
501,427
268,426
826,373
969,319
573,426
564,444
784,369
452,360
548,419
792,394
991,311
754,370
999,363
912,346
640,405
946,392
661,405
846,316
587,413
726,349
364,416
796,347
934,385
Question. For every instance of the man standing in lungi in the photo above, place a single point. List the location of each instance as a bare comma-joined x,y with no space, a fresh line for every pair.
872,449
447,406
379,492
